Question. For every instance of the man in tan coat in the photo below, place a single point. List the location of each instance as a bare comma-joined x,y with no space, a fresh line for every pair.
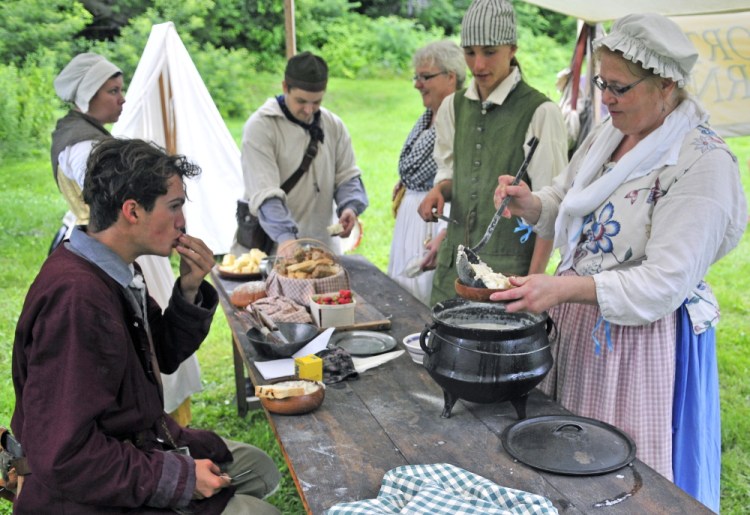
274,142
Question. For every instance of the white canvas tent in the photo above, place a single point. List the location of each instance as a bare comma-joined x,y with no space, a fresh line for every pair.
720,30
168,103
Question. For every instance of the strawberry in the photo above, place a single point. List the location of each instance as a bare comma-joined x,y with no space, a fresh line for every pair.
345,293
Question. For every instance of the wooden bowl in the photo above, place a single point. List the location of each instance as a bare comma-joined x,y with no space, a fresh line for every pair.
298,404
476,294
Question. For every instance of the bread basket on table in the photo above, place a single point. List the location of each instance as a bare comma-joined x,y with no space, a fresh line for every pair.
305,268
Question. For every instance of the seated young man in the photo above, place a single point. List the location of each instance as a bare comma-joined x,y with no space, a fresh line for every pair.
90,344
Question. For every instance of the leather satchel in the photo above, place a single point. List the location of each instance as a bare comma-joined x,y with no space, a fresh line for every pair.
250,234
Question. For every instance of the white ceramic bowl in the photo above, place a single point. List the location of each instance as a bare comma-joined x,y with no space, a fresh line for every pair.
411,342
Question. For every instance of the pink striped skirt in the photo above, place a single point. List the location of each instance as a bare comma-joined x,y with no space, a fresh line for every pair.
629,386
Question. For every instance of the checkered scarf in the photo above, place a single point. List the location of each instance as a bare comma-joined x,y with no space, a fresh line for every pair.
444,489
416,166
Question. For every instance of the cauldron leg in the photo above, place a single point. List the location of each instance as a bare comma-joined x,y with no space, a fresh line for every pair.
520,404
450,400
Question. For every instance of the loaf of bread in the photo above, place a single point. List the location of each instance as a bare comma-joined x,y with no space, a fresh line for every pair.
248,293
286,389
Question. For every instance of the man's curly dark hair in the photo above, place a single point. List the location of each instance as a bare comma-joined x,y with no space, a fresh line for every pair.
121,169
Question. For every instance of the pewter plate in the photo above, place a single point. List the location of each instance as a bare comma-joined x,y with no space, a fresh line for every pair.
363,343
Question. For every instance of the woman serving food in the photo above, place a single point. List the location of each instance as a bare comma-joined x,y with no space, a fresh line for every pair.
652,198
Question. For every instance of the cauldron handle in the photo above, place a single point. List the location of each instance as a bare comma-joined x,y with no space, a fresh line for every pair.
423,339
550,324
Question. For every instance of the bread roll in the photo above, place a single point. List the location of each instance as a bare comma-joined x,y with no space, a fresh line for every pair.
335,229
286,389
248,293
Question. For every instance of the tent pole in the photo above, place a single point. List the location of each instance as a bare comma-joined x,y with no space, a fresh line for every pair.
291,43
170,141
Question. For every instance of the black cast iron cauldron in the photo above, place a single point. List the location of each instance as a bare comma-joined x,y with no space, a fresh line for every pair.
478,352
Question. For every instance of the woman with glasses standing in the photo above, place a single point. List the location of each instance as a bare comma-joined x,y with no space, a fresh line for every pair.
481,133
651,199
439,70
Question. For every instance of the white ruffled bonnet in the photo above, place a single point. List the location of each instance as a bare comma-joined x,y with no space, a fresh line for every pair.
82,77
655,42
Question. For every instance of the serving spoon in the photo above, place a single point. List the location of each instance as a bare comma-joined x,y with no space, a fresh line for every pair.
466,256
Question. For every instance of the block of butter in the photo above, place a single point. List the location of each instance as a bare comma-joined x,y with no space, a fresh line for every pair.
309,367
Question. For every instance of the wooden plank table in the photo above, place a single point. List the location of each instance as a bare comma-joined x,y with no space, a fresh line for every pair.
390,416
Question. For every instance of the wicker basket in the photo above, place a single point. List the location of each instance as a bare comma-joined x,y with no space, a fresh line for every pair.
300,290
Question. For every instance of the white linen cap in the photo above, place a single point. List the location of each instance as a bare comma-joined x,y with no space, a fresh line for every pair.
655,42
489,23
82,77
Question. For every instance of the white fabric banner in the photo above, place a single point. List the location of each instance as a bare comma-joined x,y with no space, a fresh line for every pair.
721,77
594,11
720,30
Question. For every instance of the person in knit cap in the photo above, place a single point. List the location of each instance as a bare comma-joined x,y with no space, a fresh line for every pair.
635,344
275,141
482,132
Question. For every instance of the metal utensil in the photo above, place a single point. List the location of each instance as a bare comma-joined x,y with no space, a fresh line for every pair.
259,321
234,478
271,325
467,256
443,217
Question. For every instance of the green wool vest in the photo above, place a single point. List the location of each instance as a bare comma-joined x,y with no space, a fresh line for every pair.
487,143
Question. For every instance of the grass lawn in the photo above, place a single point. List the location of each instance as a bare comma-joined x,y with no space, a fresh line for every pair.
379,114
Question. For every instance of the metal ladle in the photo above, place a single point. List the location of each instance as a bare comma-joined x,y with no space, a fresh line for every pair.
465,256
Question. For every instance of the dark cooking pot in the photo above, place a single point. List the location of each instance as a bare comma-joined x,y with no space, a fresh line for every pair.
478,352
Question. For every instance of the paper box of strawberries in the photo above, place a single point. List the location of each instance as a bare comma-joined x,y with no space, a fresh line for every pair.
335,309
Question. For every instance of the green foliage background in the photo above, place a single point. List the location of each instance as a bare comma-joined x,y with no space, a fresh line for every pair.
231,41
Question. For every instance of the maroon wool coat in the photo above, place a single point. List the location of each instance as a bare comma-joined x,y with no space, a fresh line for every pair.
84,393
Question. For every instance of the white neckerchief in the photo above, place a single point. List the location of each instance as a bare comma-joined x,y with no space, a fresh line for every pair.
660,148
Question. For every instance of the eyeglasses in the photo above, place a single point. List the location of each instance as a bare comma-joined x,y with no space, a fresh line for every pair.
424,78
617,91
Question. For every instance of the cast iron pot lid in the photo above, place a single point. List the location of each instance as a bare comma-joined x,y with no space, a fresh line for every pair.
566,444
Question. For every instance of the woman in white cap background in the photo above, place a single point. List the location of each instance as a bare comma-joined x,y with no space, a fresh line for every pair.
439,69
650,200
95,88
481,133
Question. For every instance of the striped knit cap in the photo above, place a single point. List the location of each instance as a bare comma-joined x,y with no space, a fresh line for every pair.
489,23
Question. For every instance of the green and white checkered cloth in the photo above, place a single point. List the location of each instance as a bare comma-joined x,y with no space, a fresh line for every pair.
444,489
